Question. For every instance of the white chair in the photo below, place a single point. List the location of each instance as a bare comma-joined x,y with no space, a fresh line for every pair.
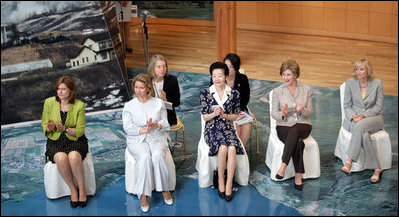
206,164
274,152
55,185
380,143
131,172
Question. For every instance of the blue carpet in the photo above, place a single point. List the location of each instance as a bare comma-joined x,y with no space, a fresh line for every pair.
189,200
333,193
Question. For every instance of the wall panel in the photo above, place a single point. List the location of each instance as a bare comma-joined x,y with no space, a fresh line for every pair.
380,24
367,20
335,20
312,17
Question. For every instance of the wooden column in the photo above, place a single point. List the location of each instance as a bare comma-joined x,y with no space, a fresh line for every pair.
226,36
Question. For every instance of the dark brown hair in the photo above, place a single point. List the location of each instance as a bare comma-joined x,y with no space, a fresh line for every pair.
67,80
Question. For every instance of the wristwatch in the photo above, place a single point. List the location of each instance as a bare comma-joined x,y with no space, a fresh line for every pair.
66,129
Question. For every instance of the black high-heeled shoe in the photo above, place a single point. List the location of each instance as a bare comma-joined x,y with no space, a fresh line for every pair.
278,176
229,197
74,204
83,203
299,187
222,194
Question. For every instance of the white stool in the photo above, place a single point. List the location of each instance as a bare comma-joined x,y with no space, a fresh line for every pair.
205,164
55,185
274,152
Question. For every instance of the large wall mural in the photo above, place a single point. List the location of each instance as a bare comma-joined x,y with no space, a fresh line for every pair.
41,41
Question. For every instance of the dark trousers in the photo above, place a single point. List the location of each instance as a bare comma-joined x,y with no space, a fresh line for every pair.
293,137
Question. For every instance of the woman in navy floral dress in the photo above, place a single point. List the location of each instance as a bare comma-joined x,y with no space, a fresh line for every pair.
220,107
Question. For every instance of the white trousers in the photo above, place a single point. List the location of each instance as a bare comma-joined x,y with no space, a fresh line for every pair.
151,166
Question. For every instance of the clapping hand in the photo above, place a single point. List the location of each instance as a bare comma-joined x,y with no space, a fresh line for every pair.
300,108
285,110
152,125
60,127
50,126
163,95
218,111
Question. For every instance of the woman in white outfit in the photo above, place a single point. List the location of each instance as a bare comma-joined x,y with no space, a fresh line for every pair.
145,122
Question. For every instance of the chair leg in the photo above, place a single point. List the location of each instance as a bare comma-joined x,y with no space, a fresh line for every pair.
176,143
257,138
184,140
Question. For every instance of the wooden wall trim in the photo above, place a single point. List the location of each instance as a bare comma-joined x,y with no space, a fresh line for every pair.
257,27
292,30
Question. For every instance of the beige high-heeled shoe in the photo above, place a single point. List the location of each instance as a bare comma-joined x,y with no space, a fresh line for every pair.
347,167
374,179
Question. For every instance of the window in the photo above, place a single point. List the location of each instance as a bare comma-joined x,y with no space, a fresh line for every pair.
104,56
95,57
102,45
192,10
83,60
77,62
87,59
73,63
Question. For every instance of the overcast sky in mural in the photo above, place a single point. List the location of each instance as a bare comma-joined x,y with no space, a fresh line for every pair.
14,11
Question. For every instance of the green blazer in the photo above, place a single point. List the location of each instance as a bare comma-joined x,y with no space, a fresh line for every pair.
76,118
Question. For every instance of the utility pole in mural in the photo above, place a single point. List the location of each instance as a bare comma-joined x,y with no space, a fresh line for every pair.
42,41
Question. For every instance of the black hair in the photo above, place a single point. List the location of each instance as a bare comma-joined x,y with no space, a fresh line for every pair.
219,65
235,61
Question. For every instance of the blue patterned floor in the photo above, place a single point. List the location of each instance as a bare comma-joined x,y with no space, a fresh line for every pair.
334,193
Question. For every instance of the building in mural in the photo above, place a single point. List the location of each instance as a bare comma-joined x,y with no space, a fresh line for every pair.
96,49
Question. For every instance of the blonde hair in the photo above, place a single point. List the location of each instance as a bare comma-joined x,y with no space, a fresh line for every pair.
292,65
153,62
363,61
146,79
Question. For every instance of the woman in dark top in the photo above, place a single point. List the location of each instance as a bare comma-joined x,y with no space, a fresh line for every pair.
63,123
165,85
239,82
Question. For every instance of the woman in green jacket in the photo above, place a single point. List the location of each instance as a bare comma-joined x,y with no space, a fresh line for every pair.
63,123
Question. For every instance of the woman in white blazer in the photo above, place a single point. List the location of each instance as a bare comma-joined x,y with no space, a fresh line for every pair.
363,104
145,122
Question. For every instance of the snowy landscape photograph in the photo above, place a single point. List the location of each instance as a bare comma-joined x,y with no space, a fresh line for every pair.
42,41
